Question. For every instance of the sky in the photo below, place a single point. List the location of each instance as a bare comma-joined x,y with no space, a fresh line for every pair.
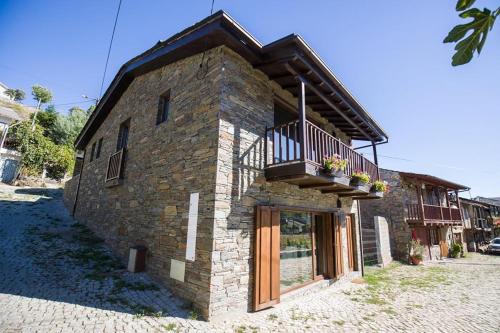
441,120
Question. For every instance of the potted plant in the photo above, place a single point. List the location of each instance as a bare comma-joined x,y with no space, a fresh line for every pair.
334,165
379,187
360,178
416,252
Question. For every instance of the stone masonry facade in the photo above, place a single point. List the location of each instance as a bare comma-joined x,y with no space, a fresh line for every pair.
391,207
211,144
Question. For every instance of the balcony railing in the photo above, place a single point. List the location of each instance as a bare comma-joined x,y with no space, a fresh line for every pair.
283,147
115,164
432,212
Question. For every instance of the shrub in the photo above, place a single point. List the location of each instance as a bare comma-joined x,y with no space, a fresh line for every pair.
456,250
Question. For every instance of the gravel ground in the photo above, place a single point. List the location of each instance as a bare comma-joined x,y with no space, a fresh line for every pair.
56,276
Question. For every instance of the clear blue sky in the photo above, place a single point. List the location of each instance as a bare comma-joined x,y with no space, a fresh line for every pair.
389,54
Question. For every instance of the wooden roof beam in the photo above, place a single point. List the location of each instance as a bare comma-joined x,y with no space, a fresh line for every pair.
327,101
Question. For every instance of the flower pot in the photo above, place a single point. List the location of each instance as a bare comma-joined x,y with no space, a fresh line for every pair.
415,261
334,173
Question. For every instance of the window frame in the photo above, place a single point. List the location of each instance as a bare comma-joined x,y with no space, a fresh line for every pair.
163,104
120,144
92,151
99,148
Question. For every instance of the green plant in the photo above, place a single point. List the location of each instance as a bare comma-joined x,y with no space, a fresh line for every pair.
471,36
416,249
456,250
334,163
361,176
379,186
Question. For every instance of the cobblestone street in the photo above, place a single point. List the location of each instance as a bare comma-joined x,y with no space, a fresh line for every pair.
56,276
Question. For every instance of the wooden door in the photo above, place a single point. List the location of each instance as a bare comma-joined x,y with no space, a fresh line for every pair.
350,241
339,260
267,257
423,235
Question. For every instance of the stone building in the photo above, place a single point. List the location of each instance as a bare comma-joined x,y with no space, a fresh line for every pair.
416,206
207,150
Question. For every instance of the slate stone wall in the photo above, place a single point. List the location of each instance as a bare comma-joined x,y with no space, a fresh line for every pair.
246,110
392,208
212,144
165,163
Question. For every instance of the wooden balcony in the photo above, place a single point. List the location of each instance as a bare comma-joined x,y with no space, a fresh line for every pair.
433,215
115,167
288,160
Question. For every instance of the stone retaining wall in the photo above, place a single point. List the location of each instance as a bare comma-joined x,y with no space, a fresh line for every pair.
69,195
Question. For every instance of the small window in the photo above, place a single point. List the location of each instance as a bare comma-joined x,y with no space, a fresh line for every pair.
123,135
98,151
163,108
92,152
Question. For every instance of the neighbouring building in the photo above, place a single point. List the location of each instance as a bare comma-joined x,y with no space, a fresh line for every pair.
3,89
416,206
10,160
207,150
478,223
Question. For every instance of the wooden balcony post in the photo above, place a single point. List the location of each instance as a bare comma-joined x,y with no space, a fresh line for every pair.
375,158
302,120
459,207
420,202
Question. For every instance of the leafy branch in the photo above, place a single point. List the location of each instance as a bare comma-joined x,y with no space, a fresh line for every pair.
471,36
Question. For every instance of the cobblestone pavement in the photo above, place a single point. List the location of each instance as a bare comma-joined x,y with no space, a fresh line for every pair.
56,276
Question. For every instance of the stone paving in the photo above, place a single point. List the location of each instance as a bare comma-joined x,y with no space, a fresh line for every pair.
55,276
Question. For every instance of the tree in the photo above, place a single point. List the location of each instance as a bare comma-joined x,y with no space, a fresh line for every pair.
39,152
42,95
468,43
47,119
15,94
67,128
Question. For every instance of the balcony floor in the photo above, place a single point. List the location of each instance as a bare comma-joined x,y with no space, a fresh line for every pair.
309,175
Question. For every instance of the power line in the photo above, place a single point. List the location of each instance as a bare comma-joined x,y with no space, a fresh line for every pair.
109,49
64,104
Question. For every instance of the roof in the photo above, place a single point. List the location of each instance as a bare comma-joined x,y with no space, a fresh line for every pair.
9,113
434,180
284,61
488,201
474,202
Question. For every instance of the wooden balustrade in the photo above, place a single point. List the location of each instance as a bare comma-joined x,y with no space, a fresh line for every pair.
432,212
115,164
283,143
413,212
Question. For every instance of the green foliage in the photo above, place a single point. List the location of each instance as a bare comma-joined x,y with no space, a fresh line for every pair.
41,94
379,186
471,36
15,94
67,128
47,120
38,152
456,250
362,177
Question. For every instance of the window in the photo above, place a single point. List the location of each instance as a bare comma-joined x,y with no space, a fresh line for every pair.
434,236
92,152
163,108
123,135
98,151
